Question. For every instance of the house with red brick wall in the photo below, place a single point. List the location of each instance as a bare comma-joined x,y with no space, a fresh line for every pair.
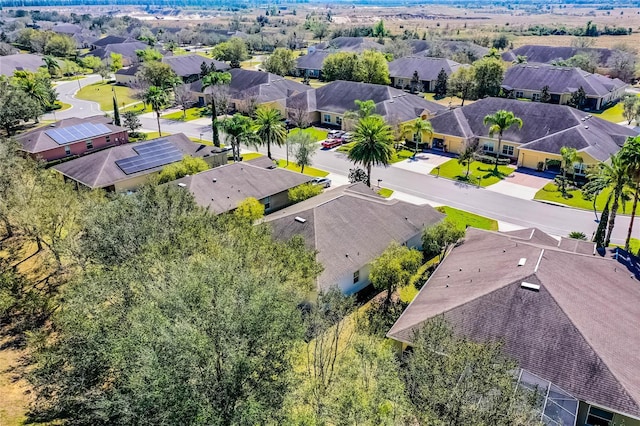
72,137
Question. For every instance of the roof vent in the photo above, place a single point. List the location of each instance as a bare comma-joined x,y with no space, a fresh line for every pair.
182,185
300,219
522,261
214,180
530,286
586,127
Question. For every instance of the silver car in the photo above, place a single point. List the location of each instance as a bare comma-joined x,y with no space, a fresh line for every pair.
323,181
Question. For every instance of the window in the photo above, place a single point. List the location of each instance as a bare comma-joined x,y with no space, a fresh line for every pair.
519,95
267,202
89,144
487,147
339,121
356,276
67,150
536,97
598,417
580,168
108,138
327,118
507,150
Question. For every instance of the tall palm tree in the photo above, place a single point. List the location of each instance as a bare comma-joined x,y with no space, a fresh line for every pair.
570,156
498,123
616,177
419,127
630,154
269,127
215,78
52,64
373,143
238,130
158,99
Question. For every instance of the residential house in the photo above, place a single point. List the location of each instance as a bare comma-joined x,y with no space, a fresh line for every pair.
327,104
349,227
221,189
188,67
20,62
67,28
551,54
127,50
347,44
126,167
254,88
448,49
72,137
311,63
401,71
110,39
549,302
527,81
546,129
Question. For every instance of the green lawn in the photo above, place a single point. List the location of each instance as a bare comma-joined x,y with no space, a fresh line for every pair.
318,134
63,106
251,155
462,219
613,114
401,155
313,82
149,136
311,171
346,147
452,170
102,93
191,114
551,193
446,101
139,108
385,192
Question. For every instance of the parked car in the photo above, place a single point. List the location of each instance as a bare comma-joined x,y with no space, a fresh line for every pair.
334,134
331,143
347,137
322,181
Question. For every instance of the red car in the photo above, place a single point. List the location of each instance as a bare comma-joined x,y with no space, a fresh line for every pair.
331,143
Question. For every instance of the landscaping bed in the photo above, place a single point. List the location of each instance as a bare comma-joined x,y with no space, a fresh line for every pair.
479,173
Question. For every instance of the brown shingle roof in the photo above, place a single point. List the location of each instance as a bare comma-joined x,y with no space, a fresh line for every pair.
221,189
351,227
579,330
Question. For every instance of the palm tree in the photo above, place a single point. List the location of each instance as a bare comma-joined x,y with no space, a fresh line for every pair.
238,130
52,64
215,78
365,109
269,127
570,156
418,128
498,123
520,59
158,99
34,87
373,143
630,154
616,177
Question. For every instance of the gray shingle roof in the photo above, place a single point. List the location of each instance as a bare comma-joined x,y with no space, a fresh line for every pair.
186,65
127,50
263,86
37,140
559,79
428,68
546,127
340,96
567,332
349,44
549,54
221,189
313,60
110,39
99,170
354,222
67,28
19,62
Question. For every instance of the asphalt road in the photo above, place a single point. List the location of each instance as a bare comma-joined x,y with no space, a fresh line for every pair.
553,219
79,108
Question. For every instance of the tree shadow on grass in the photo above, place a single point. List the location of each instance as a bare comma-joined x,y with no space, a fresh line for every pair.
491,172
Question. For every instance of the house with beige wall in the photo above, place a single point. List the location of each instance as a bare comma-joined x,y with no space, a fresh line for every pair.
328,104
546,129
548,302
526,81
127,167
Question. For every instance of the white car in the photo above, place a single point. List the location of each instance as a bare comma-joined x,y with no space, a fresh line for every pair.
324,182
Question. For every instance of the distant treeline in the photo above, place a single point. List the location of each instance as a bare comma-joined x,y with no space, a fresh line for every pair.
590,30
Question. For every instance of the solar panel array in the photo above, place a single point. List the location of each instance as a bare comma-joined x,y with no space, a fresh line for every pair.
78,132
153,154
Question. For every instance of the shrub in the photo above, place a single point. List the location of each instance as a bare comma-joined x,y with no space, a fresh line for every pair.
304,192
578,235
186,166
487,159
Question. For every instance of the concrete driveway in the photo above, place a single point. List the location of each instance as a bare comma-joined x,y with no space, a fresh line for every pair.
520,184
423,162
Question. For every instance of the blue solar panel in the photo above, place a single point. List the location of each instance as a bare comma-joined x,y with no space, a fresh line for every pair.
78,132
153,154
